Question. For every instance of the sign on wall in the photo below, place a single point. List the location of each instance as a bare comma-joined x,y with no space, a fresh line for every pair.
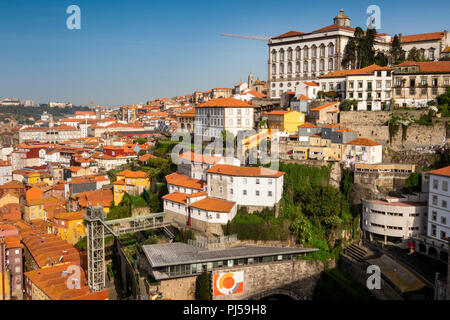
228,283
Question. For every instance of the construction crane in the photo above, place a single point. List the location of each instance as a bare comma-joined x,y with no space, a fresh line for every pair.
244,37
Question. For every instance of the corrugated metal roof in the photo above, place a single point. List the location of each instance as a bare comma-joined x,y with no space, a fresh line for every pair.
160,255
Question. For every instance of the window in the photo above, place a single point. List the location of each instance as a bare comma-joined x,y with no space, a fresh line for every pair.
257,193
444,220
444,185
244,192
443,235
388,84
350,84
217,215
435,184
244,180
444,204
433,230
434,215
270,181
269,193
257,181
360,84
435,200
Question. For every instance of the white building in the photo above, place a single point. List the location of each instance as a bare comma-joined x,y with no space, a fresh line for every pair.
247,186
439,206
295,56
5,172
362,150
217,115
393,219
199,211
370,86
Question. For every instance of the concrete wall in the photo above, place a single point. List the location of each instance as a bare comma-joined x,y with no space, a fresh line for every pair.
296,278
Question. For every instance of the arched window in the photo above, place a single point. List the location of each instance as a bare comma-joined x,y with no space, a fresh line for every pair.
290,54
281,68
274,68
314,51
305,66
431,53
282,55
322,65
322,50
289,70
274,55
297,53
330,65
330,49
313,66
297,66
305,52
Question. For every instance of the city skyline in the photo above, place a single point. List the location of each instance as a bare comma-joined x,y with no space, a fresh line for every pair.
138,51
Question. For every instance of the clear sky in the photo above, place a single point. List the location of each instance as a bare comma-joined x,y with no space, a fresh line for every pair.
132,51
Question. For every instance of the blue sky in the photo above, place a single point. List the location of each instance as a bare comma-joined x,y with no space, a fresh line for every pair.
132,51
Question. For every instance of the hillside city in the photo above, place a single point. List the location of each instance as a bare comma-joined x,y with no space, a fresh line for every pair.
290,187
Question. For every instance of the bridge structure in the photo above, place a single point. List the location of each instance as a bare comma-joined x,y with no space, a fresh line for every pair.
98,228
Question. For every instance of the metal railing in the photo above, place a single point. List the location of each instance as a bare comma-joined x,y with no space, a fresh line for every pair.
204,242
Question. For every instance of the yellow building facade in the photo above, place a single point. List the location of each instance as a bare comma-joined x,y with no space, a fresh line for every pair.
286,121
69,226
133,182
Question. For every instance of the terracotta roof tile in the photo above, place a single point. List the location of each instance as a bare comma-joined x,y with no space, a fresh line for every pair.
226,103
245,171
216,205
363,142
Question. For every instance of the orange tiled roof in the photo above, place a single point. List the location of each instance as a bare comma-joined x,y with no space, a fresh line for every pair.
363,142
88,198
216,205
369,70
325,106
52,281
307,125
77,215
423,37
278,112
184,181
446,50
132,174
303,97
146,156
195,157
441,172
429,66
244,171
311,84
34,193
256,94
226,102
289,34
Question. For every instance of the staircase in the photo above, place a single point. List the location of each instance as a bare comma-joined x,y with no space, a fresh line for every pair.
169,233
356,252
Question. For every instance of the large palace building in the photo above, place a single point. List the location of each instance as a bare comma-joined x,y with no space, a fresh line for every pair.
295,56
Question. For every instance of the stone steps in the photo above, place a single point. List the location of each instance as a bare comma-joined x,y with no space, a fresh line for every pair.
356,252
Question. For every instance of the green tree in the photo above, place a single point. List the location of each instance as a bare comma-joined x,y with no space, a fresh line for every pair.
348,105
397,54
381,59
142,152
203,287
141,140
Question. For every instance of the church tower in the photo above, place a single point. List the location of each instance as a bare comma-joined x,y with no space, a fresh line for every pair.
341,19
251,81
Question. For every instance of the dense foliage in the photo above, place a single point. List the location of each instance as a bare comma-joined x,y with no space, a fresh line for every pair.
311,210
203,287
